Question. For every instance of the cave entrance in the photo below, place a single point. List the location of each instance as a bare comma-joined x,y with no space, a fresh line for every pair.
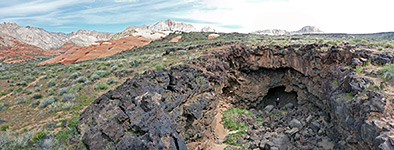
278,92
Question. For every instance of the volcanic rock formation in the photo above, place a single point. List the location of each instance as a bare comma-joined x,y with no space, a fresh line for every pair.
174,108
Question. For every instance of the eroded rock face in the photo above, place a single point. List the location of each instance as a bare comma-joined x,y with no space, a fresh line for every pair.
173,108
159,109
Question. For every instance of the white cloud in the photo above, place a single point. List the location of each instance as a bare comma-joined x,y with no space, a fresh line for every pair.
351,16
120,1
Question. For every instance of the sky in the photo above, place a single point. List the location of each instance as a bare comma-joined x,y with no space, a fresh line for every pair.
331,16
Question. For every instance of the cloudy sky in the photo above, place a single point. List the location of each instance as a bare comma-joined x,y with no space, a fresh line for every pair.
345,16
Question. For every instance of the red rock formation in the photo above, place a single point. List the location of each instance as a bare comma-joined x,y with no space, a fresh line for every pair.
16,51
67,46
102,49
212,36
176,39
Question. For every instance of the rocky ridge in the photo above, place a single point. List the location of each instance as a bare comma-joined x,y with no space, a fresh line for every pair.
47,40
303,30
179,103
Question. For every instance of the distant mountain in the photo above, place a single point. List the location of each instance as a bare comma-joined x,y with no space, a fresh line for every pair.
303,30
157,30
208,29
47,40
81,45
170,25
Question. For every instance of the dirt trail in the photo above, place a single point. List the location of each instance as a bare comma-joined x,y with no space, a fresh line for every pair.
35,81
220,131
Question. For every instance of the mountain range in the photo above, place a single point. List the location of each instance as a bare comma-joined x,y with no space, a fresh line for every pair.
303,30
18,43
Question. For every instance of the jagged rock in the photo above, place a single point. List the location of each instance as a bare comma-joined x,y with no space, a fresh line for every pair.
315,126
326,144
245,74
268,108
292,131
296,124
289,106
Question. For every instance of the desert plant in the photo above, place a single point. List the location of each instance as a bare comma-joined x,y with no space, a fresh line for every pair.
100,86
68,97
111,81
387,72
4,127
20,100
51,83
102,73
63,91
46,101
51,91
37,96
82,79
75,75
94,77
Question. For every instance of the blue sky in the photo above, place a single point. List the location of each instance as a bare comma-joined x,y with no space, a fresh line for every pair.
351,16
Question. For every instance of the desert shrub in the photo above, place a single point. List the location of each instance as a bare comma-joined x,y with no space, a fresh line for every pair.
387,72
20,100
55,107
68,97
28,92
23,83
102,73
46,101
4,127
65,80
75,75
100,86
158,66
11,140
34,104
37,89
114,68
94,77
63,91
76,88
37,96
51,83
51,91
67,105
111,81
82,79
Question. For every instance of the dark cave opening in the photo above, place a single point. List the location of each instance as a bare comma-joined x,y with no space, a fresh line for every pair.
278,92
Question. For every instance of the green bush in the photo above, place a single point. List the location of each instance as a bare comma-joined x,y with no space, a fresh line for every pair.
100,86
51,83
23,83
229,118
102,73
94,77
63,91
37,96
20,100
51,91
75,75
76,88
387,72
158,66
4,127
111,81
82,79
46,101
68,97
39,136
